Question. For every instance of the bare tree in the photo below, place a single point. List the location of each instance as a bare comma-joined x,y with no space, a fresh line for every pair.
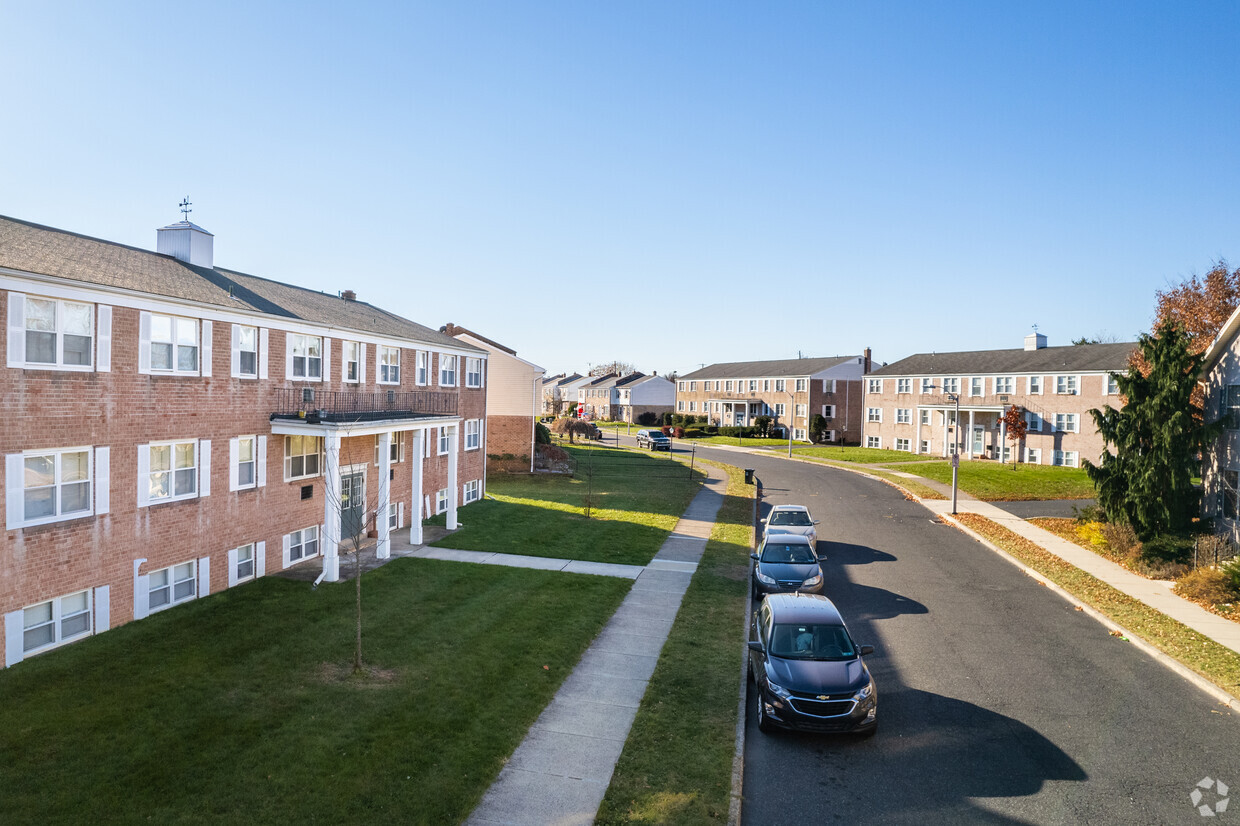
619,368
573,427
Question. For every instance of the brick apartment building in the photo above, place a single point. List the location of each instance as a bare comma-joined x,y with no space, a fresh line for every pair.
559,393
174,429
910,405
790,390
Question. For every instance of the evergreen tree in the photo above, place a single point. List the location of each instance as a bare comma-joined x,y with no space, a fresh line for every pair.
1157,435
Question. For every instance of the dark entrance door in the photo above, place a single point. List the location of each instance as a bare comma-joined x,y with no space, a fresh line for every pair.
352,504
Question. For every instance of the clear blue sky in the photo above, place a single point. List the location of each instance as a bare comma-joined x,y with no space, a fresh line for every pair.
664,183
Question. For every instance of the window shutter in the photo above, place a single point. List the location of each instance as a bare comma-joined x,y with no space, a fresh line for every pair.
378,372
288,356
262,353
14,492
14,635
361,362
103,608
103,340
234,448
103,486
260,470
144,475
400,514
232,567
17,330
288,544
204,467
144,342
327,359
204,576
141,597
235,363
260,559
428,510
205,351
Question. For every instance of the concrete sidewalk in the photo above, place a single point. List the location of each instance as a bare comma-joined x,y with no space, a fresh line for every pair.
562,769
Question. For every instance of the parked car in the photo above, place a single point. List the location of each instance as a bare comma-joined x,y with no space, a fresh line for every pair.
808,673
597,432
792,519
785,562
653,439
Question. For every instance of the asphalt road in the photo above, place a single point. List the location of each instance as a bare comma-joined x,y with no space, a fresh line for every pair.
998,701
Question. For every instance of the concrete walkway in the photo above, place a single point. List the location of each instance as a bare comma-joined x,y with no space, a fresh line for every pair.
560,772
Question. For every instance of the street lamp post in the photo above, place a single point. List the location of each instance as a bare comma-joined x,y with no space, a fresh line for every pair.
792,418
955,453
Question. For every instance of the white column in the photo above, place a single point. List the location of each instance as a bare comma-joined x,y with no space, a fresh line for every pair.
945,432
970,434
1003,439
383,548
415,510
331,508
453,459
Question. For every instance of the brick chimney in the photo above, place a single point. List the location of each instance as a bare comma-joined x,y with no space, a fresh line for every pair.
867,360
348,295
451,329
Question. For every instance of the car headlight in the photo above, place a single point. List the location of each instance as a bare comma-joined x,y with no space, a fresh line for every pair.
778,690
763,578
865,692
812,581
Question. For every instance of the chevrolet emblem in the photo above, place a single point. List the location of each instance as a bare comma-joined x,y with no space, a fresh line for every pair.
823,697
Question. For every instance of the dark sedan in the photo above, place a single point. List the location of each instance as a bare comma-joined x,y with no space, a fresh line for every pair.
785,562
807,672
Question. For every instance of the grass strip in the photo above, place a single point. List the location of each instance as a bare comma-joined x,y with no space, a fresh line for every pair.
1203,655
239,708
994,482
677,763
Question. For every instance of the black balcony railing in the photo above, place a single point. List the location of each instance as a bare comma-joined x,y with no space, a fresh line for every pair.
315,405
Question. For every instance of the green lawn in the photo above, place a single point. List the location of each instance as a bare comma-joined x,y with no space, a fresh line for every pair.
994,482
677,763
235,708
636,498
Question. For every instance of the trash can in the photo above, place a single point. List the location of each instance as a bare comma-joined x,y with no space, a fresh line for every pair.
748,476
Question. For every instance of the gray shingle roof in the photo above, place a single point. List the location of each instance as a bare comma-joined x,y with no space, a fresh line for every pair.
1082,357
762,369
53,252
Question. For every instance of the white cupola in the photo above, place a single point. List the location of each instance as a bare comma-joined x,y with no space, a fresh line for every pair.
188,242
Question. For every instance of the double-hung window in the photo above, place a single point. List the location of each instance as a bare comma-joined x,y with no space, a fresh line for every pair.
779,385
1231,406
680,385
904,415
873,441
301,544
56,485
873,414
174,344
247,462
441,501
56,621
874,385
307,355
779,408
925,417
1005,384
389,365
1035,385
245,344
1066,422
473,491
904,444
1230,504
447,370
419,371
396,447
1065,385
904,385
927,385
799,410
301,456
473,372
58,333
801,385
753,385
977,386
172,472
1033,422
1064,458
473,429
1033,455
352,362
170,586
1112,385
727,386
243,568
766,385
445,441
951,384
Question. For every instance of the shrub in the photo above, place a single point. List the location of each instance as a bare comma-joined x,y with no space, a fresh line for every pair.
762,423
667,430
647,418
1211,586
678,432
667,418
542,436
1167,548
1121,540
711,430
694,433
1092,533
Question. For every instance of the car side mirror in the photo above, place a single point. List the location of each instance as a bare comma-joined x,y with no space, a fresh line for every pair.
816,521
866,649
754,645
753,556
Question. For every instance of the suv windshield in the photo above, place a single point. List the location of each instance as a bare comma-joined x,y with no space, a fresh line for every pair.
798,519
778,552
811,642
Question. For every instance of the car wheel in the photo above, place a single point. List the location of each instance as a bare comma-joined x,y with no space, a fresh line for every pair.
764,724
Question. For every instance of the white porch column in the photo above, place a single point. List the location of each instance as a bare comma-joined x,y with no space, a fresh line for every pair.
970,434
331,508
383,548
945,432
1003,439
453,459
415,510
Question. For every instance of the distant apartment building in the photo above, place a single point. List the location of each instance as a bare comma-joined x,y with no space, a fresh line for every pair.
1220,474
559,393
648,394
791,391
911,405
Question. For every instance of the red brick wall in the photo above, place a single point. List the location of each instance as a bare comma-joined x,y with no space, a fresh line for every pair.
510,434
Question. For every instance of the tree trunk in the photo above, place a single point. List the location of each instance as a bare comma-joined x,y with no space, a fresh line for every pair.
357,571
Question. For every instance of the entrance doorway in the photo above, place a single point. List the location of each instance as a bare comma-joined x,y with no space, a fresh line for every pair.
979,439
352,504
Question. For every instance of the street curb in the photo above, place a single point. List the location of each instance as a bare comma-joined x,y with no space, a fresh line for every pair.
1159,656
738,756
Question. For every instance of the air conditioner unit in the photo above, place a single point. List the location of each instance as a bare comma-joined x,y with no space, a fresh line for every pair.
307,395
1003,399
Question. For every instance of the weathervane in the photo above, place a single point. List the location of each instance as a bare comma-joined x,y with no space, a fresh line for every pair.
185,210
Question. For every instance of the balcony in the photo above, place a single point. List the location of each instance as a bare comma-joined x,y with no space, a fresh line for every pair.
331,406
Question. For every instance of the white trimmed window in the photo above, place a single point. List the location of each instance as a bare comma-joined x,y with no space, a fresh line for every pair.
753,384
441,501
244,352
779,385
800,410
171,473
873,441
927,385
243,563
692,407
53,485
925,446
925,417
801,385
905,445
1005,384
396,447
977,386
798,435
300,545
1033,455
58,333
1064,458
904,385
779,408
951,385
1065,385
828,411
447,370
904,415
1035,385
692,387
352,352
55,622
445,441
306,354
301,456
174,344
473,372
473,491
727,386
171,586
680,385
873,414
766,385
680,406
394,516
1067,423
473,434
874,385
246,462
389,365
1033,422
420,362
1110,386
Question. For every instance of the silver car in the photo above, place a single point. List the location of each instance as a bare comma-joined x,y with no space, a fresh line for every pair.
794,519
